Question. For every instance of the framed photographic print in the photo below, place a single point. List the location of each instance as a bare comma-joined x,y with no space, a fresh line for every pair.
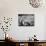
25,19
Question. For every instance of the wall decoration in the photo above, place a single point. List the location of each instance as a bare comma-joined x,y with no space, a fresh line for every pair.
7,21
35,3
26,19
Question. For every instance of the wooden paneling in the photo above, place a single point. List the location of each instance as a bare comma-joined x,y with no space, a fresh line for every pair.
25,44
40,44
44,44
17,44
